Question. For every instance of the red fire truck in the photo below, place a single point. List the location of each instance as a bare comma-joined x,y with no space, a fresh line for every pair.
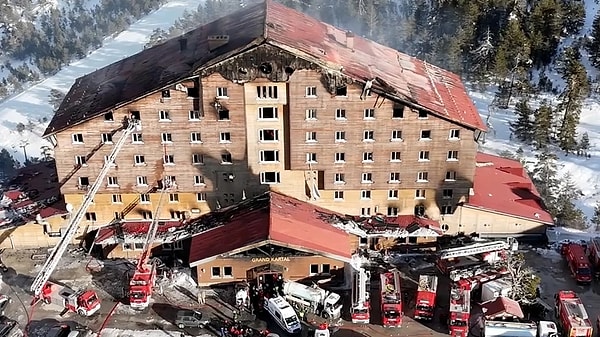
361,307
460,309
578,262
391,299
84,302
571,315
426,292
595,255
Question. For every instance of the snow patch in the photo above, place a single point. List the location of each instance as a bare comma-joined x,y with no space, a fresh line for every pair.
110,332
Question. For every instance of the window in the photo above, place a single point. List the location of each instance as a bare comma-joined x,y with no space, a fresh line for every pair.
193,92
177,215
269,178
173,197
325,268
395,156
228,270
195,137
269,135
452,155
106,160
197,159
311,137
199,180
425,135
215,272
445,226
311,114
366,178
90,216
454,134
166,93
422,114
141,180
340,114
113,182
223,114
338,195
314,269
341,91
396,136
365,211
201,197
266,92
107,138
269,156
139,159
367,157
394,178
84,182
368,136
311,157
169,181
422,176
446,210
225,137
392,211
195,115
222,92
225,159
393,194
365,194
135,115
419,194
340,157
116,199
108,117
369,114
136,138
146,215
311,91
166,137
169,159
450,175
340,136
267,112
447,193
80,160
398,111
77,138
145,198
339,178
163,116
423,155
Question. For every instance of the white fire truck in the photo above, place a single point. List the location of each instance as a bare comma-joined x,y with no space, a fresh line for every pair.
319,301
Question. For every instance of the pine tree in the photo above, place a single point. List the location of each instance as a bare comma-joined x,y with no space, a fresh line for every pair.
565,211
576,89
596,218
523,127
584,142
542,126
544,177
8,164
594,45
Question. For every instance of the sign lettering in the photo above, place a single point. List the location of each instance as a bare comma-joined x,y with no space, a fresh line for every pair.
271,259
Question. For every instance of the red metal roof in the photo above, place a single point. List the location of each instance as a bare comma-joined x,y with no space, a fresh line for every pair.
58,208
13,195
281,219
133,228
502,185
502,307
438,90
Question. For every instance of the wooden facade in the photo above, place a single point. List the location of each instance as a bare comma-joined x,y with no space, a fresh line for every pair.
236,140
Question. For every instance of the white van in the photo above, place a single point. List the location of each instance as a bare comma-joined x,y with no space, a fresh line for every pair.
283,314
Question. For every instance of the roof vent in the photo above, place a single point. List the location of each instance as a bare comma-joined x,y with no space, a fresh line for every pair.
216,41
350,40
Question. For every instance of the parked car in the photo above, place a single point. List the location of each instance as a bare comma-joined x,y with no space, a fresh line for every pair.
190,319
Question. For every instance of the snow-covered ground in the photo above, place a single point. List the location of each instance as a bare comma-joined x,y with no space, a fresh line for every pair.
30,106
110,332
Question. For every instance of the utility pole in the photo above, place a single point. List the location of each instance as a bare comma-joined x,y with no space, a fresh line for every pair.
24,147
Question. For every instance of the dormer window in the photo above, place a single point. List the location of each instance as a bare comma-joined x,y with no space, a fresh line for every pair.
166,93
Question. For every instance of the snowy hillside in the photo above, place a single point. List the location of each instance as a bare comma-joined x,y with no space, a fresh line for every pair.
31,106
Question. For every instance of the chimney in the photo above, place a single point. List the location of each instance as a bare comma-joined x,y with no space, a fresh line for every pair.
216,41
182,44
350,40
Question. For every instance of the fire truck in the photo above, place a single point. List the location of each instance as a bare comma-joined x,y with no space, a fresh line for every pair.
571,315
85,302
578,261
460,309
425,301
501,329
360,311
471,260
595,255
391,299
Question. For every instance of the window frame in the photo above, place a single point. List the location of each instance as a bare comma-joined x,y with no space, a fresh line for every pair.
261,113
264,181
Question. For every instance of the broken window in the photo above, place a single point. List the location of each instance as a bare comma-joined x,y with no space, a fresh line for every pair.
165,93
325,268
226,158
193,92
135,115
223,114
398,111
422,114
392,211
108,117
419,210
341,91
84,181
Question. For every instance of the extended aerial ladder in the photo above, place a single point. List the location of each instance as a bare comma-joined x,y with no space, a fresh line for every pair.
143,280
43,276
360,311
473,249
